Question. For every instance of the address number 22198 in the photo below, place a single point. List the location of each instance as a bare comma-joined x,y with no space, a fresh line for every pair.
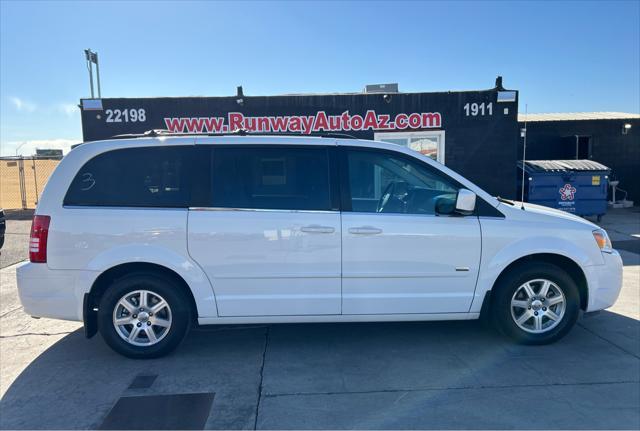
126,115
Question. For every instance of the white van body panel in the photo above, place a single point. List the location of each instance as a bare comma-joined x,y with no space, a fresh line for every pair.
96,239
534,230
303,269
126,236
269,263
57,294
415,264
342,318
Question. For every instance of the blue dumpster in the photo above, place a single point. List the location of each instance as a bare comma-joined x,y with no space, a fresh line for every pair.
575,186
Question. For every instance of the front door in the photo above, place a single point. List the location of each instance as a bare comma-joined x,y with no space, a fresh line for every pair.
398,255
270,241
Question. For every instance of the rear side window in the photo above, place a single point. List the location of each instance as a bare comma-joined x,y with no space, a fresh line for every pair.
271,178
133,177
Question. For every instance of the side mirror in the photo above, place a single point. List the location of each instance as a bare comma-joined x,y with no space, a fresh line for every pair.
465,202
445,205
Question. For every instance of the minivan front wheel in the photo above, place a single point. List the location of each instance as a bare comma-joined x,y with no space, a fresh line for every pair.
143,315
536,304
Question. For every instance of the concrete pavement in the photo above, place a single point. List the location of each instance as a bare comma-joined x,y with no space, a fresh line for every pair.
441,375
16,242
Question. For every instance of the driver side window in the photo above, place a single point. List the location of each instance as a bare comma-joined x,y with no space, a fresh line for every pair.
383,183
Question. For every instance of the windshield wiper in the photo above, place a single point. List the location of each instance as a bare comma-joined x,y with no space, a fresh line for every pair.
505,201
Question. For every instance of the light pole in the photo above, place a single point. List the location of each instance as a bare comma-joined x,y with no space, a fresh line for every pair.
92,58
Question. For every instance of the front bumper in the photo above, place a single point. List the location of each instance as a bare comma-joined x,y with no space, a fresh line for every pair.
57,294
604,281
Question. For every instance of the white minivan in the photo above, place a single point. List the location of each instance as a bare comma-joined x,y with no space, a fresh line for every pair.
142,238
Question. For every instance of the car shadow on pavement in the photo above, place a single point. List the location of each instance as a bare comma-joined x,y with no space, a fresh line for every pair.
360,375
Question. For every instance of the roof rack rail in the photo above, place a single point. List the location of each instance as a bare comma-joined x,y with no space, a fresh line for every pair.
154,133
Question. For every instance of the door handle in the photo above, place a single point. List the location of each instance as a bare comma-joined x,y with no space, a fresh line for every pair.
317,229
365,230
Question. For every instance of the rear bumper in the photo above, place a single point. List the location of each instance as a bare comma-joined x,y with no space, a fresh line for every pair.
604,281
57,294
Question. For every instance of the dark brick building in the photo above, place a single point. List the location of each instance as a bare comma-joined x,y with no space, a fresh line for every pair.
611,138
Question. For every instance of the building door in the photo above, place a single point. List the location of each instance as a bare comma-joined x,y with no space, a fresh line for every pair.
429,143
583,147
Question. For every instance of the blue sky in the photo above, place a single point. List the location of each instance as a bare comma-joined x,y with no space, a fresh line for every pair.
562,56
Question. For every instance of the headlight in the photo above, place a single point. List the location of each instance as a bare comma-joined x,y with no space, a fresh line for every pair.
603,241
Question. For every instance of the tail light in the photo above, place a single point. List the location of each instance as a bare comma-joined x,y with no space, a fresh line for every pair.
38,239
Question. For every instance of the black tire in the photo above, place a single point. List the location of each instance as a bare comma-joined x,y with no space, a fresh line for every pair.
166,288
503,292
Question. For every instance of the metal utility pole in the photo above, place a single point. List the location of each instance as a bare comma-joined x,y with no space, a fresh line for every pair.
524,152
98,74
92,58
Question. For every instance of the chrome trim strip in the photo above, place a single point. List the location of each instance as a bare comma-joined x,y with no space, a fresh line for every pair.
263,210
122,208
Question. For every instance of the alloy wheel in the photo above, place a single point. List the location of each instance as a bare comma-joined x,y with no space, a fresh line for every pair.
538,306
142,318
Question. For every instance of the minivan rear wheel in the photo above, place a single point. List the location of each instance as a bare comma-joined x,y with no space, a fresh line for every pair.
535,303
143,315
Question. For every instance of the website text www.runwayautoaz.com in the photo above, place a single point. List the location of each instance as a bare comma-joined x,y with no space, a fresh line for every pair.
305,124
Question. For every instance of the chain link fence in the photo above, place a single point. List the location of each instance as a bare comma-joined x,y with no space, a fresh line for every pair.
22,180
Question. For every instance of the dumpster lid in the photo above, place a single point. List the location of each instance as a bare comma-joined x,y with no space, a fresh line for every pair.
562,165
